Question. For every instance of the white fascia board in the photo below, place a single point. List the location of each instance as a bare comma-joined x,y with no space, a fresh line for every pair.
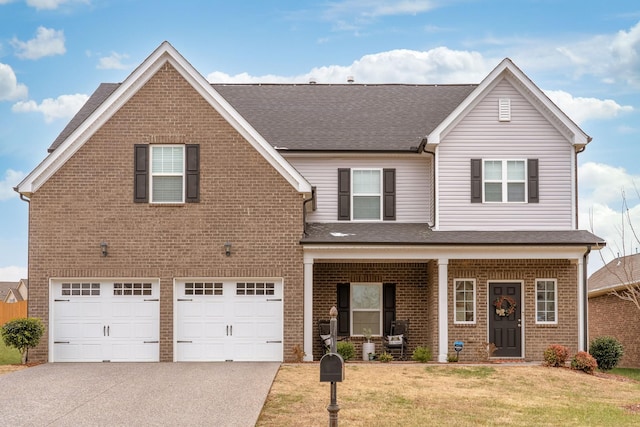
136,80
579,138
424,253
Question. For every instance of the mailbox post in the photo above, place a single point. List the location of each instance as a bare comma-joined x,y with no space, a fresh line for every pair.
332,369
457,346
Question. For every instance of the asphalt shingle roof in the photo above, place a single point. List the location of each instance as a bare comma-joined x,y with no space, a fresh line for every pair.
622,270
421,234
349,117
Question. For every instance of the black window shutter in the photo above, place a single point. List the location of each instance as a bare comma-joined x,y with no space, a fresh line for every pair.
389,306
389,194
193,173
476,180
344,303
141,173
533,180
344,194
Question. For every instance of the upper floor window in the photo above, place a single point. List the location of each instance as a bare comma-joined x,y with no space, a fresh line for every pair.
366,194
504,181
166,173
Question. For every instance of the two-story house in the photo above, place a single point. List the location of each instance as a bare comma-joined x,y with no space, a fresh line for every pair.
175,219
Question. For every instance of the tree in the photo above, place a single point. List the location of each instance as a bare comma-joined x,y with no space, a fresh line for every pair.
22,334
625,269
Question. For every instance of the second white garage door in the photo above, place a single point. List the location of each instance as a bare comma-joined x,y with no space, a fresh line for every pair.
221,320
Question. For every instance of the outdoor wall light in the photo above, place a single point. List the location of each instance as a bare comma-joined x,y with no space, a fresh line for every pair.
103,248
227,249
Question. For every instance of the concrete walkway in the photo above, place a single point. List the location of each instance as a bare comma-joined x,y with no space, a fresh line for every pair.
136,394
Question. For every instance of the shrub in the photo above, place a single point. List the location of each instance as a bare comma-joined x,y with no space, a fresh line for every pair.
607,351
385,357
23,334
421,354
556,355
346,349
583,361
451,358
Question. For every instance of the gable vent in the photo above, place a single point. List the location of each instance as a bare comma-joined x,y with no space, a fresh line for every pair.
504,109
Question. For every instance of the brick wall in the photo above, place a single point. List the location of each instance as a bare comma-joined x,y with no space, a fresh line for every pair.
243,200
417,300
412,296
538,337
611,316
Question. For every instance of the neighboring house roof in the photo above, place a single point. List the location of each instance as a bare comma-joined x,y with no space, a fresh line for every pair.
15,293
5,287
89,122
421,234
616,274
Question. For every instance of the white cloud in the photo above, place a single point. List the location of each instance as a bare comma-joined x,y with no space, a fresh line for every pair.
113,62
51,4
48,42
11,179
10,89
12,273
439,65
63,107
583,109
607,195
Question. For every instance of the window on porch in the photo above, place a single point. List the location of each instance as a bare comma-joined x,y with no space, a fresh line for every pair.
366,308
464,301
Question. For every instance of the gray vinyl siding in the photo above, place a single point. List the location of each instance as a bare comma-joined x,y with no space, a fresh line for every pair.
414,188
528,135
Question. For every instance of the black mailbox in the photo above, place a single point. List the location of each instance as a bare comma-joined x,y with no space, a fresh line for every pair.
331,368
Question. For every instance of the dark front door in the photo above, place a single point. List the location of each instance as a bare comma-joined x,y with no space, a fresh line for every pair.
505,326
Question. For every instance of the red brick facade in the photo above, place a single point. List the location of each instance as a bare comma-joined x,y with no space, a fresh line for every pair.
243,200
417,294
611,316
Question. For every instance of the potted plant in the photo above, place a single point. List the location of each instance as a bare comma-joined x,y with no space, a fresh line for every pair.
367,347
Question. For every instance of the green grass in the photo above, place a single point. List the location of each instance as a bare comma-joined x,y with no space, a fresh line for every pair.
9,355
632,373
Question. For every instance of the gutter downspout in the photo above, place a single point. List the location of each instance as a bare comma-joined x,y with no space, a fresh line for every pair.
26,199
421,149
585,298
304,210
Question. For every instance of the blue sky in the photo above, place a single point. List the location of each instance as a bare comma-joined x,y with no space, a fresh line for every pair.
584,54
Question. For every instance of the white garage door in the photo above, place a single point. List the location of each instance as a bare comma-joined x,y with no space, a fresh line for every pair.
97,321
229,320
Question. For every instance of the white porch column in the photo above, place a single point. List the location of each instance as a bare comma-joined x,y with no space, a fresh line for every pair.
443,312
308,310
582,345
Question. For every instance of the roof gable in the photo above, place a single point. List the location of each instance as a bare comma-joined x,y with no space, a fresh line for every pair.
508,70
109,98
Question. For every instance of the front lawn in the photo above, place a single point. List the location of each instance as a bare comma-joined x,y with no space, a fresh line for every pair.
634,374
8,355
375,394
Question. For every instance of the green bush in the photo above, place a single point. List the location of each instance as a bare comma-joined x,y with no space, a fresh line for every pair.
583,361
422,354
556,355
22,334
607,351
346,349
385,357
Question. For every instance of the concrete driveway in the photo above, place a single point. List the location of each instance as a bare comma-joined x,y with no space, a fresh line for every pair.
136,394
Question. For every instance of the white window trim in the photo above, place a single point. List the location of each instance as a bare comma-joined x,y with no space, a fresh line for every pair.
555,301
504,181
152,175
351,309
475,311
379,194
